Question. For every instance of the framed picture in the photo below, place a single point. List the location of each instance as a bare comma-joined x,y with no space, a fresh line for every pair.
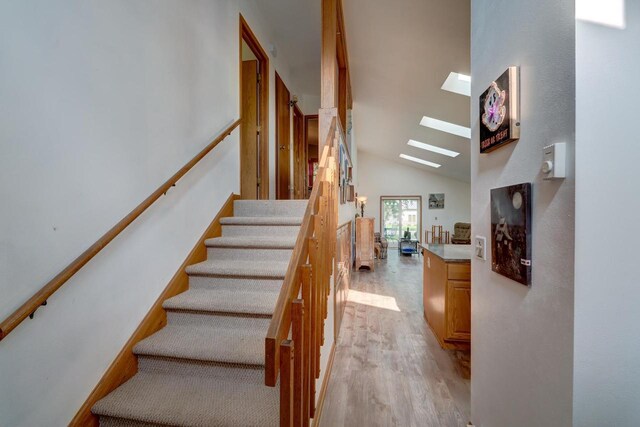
436,201
511,232
500,111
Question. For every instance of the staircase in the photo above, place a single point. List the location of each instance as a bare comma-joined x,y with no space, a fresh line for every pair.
206,367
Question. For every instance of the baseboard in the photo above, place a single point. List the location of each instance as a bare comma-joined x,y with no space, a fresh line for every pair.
125,365
323,388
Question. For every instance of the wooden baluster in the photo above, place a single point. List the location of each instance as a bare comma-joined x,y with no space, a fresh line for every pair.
286,383
305,272
297,333
313,317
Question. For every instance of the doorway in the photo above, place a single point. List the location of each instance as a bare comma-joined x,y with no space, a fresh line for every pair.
400,216
254,111
283,140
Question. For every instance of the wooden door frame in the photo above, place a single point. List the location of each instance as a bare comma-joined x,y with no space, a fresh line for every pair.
393,197
299,150
306,150
277,147
250,38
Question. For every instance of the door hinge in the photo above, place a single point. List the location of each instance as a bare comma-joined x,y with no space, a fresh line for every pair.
259,78
258,129
259,181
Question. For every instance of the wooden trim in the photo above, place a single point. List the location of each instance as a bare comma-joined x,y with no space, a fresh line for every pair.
323,388
402,197
299,154
250,38
40,298
287,135
125,364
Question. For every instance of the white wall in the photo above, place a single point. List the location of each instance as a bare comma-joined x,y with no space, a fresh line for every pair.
101,102
378,176
522,339
606,347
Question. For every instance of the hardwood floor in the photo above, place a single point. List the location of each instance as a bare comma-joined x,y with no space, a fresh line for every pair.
389,369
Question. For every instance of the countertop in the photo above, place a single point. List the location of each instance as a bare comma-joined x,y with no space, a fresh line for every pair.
451,253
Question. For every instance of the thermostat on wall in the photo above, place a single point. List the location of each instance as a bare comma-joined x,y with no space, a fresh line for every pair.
554,162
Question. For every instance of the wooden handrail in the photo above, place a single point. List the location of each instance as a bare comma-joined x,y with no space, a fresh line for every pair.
40,297
307,277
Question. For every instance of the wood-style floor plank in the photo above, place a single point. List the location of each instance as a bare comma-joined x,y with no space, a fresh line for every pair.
389,369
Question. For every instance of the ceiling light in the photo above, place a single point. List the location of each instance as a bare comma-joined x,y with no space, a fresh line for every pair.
433,148
417,160
446,127
457,83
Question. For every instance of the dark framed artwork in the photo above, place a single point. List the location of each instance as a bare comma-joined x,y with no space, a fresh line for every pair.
436,201
511,232
500,111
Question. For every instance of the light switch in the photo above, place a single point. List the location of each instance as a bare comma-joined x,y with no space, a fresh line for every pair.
480,247
554,161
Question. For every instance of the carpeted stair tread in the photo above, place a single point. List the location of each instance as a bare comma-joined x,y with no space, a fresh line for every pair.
261,220
206,343
191,402
239,268
250,242
238,301
270,207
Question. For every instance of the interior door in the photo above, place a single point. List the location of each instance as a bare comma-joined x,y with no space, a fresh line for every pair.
249,131
283,137
299,155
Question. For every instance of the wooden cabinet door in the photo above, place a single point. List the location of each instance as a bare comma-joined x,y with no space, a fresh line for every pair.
458,310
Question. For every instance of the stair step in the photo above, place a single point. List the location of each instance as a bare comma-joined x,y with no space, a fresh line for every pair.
206,344
261,248
239,269
190,401
260,226
248,242
253,221
239,302
270,207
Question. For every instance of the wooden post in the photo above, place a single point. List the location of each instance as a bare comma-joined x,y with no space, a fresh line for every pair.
305,272
313,286
297,333
286,383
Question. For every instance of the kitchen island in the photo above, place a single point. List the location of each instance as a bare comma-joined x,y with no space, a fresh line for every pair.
447,294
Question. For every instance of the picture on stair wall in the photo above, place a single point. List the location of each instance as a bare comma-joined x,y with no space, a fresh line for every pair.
500,111
511,232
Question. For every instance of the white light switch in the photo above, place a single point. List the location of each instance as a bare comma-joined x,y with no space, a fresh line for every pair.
554,161
480,247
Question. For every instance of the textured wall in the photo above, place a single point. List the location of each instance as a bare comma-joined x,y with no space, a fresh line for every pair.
101,102
522,338
607,350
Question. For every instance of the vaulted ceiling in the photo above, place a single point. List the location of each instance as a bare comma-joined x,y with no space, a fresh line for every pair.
400,54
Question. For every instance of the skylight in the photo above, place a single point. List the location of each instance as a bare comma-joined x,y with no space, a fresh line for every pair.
458,83
417,160
433,148
446,127
610,13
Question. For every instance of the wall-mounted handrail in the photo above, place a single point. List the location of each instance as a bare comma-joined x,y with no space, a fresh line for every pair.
301,308
40,298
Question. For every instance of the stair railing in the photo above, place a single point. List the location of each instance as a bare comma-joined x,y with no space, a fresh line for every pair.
296,331
40,298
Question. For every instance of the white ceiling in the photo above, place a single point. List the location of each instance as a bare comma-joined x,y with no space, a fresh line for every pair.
400,54
297,25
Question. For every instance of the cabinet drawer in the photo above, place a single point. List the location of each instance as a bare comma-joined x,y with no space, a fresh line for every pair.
459,271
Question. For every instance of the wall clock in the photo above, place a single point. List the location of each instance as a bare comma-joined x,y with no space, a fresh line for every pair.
500,111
